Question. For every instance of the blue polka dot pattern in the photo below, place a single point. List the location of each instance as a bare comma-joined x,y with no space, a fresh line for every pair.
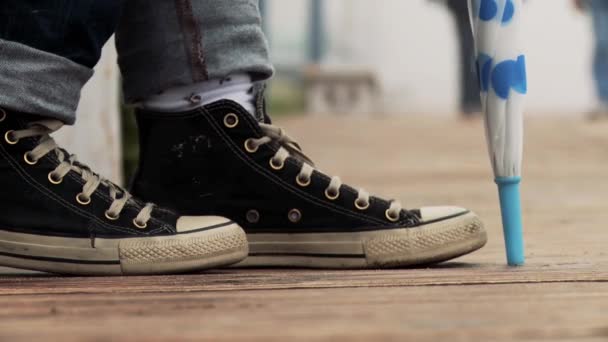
509,75
500,75
484,69
488,10
507,15
504,76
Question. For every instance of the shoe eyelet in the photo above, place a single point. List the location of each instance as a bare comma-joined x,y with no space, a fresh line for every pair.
195,98
361,206
139,224
249,148
231,120
2,115
294,215
252,216
390,217
110,217
275,166
8,139
302,183
331,196
54,180
82,200
26,158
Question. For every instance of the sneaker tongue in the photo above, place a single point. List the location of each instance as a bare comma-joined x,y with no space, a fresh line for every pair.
259,89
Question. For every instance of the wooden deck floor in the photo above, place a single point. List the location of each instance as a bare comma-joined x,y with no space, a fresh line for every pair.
562,293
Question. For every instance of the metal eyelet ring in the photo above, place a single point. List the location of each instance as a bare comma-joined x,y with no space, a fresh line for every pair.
390,217
249,148
231,120
54,180
332,196
2,115
276,166
8,139
110,217
139,224
253,216
294,215
302,183
195,98
82,200
28,160
361,206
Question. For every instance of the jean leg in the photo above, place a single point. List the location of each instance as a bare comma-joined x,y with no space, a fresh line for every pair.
47,50
74,29
181,42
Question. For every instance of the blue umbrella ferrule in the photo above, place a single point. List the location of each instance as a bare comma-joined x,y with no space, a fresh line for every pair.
510,207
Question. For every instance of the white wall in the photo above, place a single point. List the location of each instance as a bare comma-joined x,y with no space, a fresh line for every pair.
410,44
95,138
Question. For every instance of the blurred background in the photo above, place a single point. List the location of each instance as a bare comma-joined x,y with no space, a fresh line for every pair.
376,59
411,48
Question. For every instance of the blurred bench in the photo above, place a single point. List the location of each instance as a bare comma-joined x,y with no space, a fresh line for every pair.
332,90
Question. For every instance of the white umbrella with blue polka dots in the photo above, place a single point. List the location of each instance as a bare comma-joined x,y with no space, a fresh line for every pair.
502,77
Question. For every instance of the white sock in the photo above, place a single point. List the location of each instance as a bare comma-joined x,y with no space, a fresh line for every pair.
237,88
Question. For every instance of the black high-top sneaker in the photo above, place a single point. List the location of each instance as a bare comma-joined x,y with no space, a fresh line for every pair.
218,160
56,215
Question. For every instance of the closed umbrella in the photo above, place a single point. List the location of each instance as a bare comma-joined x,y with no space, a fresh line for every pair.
502,76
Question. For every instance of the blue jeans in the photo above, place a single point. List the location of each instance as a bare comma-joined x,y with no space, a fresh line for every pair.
48,47
74,29
599,12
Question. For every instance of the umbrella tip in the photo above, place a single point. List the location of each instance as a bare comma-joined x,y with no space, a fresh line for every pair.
510,207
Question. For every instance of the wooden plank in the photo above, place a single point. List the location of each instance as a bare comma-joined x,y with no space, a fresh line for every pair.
496,313
243,279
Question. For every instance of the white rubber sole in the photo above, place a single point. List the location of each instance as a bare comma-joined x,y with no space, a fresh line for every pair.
428,244
183,252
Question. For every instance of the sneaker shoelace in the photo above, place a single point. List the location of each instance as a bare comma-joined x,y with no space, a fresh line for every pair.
289,147
68,163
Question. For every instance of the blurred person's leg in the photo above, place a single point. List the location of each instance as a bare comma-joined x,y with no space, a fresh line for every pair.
56,214
218,159
469,85
599,12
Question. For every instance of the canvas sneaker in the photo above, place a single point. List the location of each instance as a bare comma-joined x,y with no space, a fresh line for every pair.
220,160
57,215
